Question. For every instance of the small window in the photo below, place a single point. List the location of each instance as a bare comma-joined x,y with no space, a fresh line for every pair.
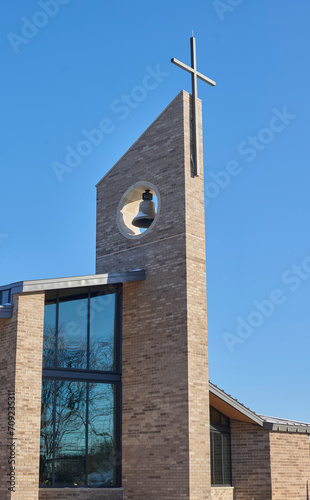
220,449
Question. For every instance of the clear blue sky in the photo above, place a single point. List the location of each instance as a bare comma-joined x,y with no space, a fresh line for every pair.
71,72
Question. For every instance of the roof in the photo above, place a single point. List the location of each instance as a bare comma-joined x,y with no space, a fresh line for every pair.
281,424
231,407
6,311
237,411
61,283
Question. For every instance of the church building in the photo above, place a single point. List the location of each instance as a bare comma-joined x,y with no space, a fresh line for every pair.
104,387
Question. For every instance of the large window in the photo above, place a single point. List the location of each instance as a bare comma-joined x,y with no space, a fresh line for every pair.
81,389
220,448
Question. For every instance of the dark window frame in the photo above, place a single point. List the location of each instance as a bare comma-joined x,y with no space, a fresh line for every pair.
220,429
5,293
91,376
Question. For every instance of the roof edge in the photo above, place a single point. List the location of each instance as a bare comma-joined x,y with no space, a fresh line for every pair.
235,404
288,426
75,281
267,423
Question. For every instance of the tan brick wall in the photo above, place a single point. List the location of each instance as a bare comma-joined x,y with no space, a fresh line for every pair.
222,493
165,390
81,494
22,338
198,384
28,384
8,328
250,457
290,466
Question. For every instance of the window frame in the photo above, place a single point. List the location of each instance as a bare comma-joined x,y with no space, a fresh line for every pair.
220,429
91,376
2,296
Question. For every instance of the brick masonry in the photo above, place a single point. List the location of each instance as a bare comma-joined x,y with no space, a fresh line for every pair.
8,329
290,466
250,456
21,340
81,494
269,465
166,448
222,493
165,359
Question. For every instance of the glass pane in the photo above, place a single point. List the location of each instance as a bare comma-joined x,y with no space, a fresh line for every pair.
212,454
72,333
49,338
102,349
215,416
101,435
5,297
70,435
217,458
226,459
46,438
224,420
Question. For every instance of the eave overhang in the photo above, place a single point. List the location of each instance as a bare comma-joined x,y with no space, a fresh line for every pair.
75,281
282,425
93,280
230,407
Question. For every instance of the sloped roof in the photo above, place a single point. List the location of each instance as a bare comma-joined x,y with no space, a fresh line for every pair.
281,424
232,407
237,411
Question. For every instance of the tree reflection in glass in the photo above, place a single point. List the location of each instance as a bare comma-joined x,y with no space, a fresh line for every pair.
101,435
80,427
70,433
72,333
102,325
46,439
71,424
49,339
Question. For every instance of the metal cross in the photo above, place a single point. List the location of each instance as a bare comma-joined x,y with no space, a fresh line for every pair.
195,74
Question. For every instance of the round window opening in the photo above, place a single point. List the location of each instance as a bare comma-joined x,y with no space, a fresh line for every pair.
138,210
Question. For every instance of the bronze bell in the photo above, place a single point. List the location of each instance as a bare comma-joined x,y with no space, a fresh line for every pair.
147,211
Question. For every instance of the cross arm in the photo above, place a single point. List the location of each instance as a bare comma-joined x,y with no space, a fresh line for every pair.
191,70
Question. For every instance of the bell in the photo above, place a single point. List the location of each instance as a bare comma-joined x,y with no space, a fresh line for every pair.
146,213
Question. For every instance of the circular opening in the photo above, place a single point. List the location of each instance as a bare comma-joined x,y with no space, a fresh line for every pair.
128,208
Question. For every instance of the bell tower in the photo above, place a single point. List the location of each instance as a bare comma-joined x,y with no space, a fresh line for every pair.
165,402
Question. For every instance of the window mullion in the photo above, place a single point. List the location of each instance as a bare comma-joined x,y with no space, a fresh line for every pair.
86,434
54,434
62,402
213,461
88,329
222,457
56,339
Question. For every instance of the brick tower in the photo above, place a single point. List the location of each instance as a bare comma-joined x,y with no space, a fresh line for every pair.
165,416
